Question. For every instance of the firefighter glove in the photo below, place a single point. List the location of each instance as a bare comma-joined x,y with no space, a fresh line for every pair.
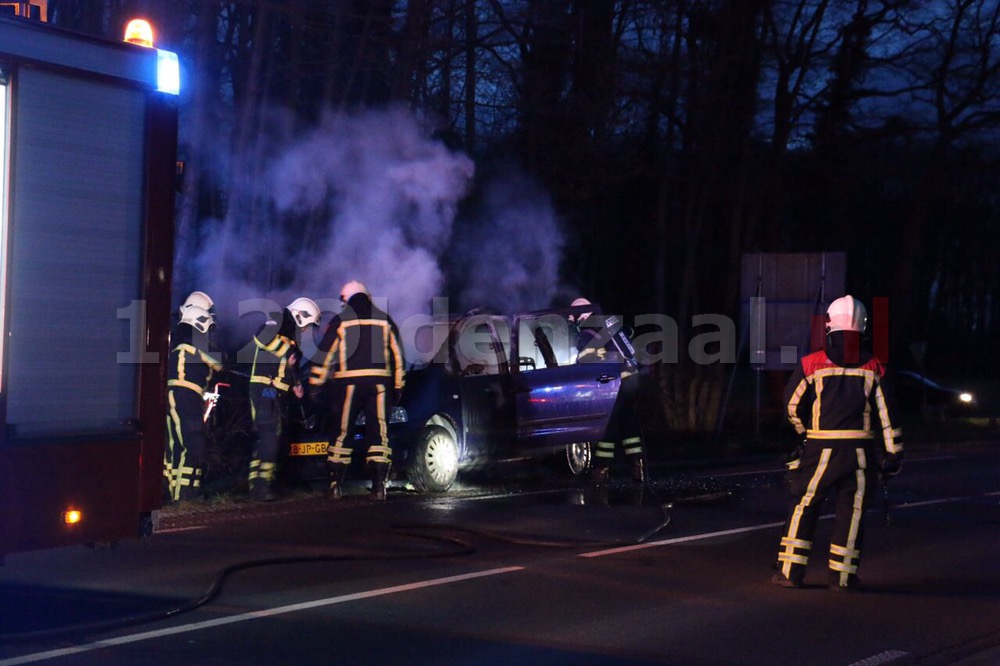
795,455
891,464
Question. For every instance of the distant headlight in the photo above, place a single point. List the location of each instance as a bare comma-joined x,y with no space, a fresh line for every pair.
397,415
967,398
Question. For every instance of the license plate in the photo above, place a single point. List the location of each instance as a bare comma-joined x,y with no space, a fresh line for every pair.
308,449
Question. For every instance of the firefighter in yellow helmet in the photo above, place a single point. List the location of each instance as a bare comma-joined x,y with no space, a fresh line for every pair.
839,401
189,372
273,374
362,360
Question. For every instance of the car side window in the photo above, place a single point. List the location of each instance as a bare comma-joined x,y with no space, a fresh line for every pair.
544,342
477,351
591,342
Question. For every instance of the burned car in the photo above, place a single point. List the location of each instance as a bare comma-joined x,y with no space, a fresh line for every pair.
502,388
507,387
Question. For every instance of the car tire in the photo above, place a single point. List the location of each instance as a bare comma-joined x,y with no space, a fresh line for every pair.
435,463
578,455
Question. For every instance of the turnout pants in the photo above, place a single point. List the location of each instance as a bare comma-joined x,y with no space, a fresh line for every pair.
840,468
354,399
185,453
623,426
267,411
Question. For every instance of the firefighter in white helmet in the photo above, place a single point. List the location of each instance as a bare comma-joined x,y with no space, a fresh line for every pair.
839,401
189,372
596,343
273,374
198,299
364,369
579,302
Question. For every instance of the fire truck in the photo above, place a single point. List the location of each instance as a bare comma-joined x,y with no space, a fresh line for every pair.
88,165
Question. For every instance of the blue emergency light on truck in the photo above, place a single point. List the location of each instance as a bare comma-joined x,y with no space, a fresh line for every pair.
88,144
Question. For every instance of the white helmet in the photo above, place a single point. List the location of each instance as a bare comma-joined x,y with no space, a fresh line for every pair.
199,299
304,311
576,303
351,289
198,318
846,314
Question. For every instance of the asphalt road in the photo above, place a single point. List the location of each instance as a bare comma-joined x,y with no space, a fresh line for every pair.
528,570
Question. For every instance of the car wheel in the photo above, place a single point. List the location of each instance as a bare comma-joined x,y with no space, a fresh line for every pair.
435,465
578,457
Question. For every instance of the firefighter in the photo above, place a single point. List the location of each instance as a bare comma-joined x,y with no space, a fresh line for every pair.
199,299
362,360
273,374
189,373
839,401
624,426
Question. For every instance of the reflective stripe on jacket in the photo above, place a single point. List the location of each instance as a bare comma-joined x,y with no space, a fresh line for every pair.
191,368
272,351
829,401
361,345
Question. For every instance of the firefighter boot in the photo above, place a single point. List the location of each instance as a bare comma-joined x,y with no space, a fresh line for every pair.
637,493
794,578
188,494
843,582
638,469
599,494
380,474
337,473
779,579
599,476
260,491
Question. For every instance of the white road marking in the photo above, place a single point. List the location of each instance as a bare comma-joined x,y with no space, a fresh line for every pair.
691,537
181,529
292,608
943,500
755,528
243,617
781,470
881,658
753,472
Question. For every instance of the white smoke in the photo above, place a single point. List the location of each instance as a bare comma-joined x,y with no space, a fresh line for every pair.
391,192
374,197
508,259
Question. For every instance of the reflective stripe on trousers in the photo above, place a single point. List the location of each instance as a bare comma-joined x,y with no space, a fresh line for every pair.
840,468
353,400
185,449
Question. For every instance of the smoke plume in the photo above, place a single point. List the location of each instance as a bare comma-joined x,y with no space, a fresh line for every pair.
508,257
375,198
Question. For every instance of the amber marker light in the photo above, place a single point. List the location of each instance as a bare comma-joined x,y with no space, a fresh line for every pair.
139,31
168,68
72,516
